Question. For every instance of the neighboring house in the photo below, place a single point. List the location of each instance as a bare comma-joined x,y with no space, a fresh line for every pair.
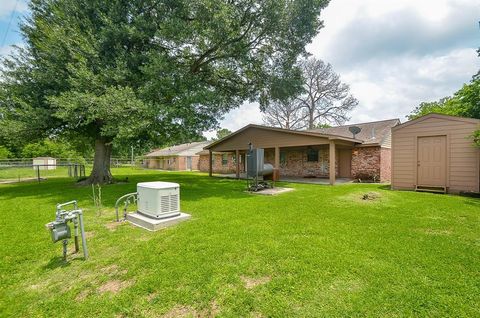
222,162
179,158
436,152
308,153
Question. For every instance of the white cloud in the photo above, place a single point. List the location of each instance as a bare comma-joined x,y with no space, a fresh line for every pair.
8,49
248,113
392,88
394,54
7,6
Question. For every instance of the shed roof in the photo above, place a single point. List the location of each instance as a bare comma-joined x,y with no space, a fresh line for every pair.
439,116
371,133
188,149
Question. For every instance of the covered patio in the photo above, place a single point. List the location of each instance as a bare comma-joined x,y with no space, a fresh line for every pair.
295,155
315,180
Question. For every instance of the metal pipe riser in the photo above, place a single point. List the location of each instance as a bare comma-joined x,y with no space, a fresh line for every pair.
60,229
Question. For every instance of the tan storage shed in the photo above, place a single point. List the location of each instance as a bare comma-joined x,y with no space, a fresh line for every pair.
436,152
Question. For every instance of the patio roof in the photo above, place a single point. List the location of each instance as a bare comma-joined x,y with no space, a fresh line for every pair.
313,134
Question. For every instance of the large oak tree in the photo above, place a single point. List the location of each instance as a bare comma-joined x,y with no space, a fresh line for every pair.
139,70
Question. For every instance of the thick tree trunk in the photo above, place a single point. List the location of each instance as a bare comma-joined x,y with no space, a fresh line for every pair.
101,164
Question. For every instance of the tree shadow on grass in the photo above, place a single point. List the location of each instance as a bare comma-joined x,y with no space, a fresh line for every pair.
193,187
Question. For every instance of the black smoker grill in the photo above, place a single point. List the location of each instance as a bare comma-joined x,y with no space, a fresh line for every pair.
257,170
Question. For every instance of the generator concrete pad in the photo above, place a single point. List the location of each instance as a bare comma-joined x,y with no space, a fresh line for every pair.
273,191
153,224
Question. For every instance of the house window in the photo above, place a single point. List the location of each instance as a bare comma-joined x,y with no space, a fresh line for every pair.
224,159
283,157
312,155
234,159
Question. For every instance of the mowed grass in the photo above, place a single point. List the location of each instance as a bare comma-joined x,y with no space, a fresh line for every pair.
318,251
21,173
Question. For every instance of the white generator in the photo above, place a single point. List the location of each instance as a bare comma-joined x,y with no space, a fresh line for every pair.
158,199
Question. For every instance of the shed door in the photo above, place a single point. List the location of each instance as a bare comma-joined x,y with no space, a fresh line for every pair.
432,161
189,163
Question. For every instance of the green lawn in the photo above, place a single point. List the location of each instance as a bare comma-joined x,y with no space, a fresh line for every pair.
316,251
23,173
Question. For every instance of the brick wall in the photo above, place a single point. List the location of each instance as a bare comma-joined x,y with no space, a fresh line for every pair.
181,163
218,166
366,163
196,163
297,165
169,163
203,163
173,163
151,163
385,164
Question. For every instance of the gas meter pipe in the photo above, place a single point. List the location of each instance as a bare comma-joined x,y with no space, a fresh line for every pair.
127,198
76,217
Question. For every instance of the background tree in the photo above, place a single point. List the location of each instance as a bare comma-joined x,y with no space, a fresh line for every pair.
137,70
5,153
224,132
284,114
50,148
323,126
442,106
465,102
325,99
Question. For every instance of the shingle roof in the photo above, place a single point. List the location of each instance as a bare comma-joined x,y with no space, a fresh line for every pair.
290,131
188,149
371,133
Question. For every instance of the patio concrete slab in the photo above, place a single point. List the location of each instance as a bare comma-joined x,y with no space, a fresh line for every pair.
273,191
315,180
293,179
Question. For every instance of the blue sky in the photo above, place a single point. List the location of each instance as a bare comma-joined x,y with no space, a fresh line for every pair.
10,36
394,54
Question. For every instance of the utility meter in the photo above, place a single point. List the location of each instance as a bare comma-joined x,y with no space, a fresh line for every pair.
60,231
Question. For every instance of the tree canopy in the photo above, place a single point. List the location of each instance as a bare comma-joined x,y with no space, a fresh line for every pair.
5,153
224,132
465,102
140,70
50,148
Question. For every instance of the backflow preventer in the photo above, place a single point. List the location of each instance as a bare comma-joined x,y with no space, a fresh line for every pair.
60,229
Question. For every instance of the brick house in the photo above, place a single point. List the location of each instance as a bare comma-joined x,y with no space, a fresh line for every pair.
308,153
182,157
222,162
